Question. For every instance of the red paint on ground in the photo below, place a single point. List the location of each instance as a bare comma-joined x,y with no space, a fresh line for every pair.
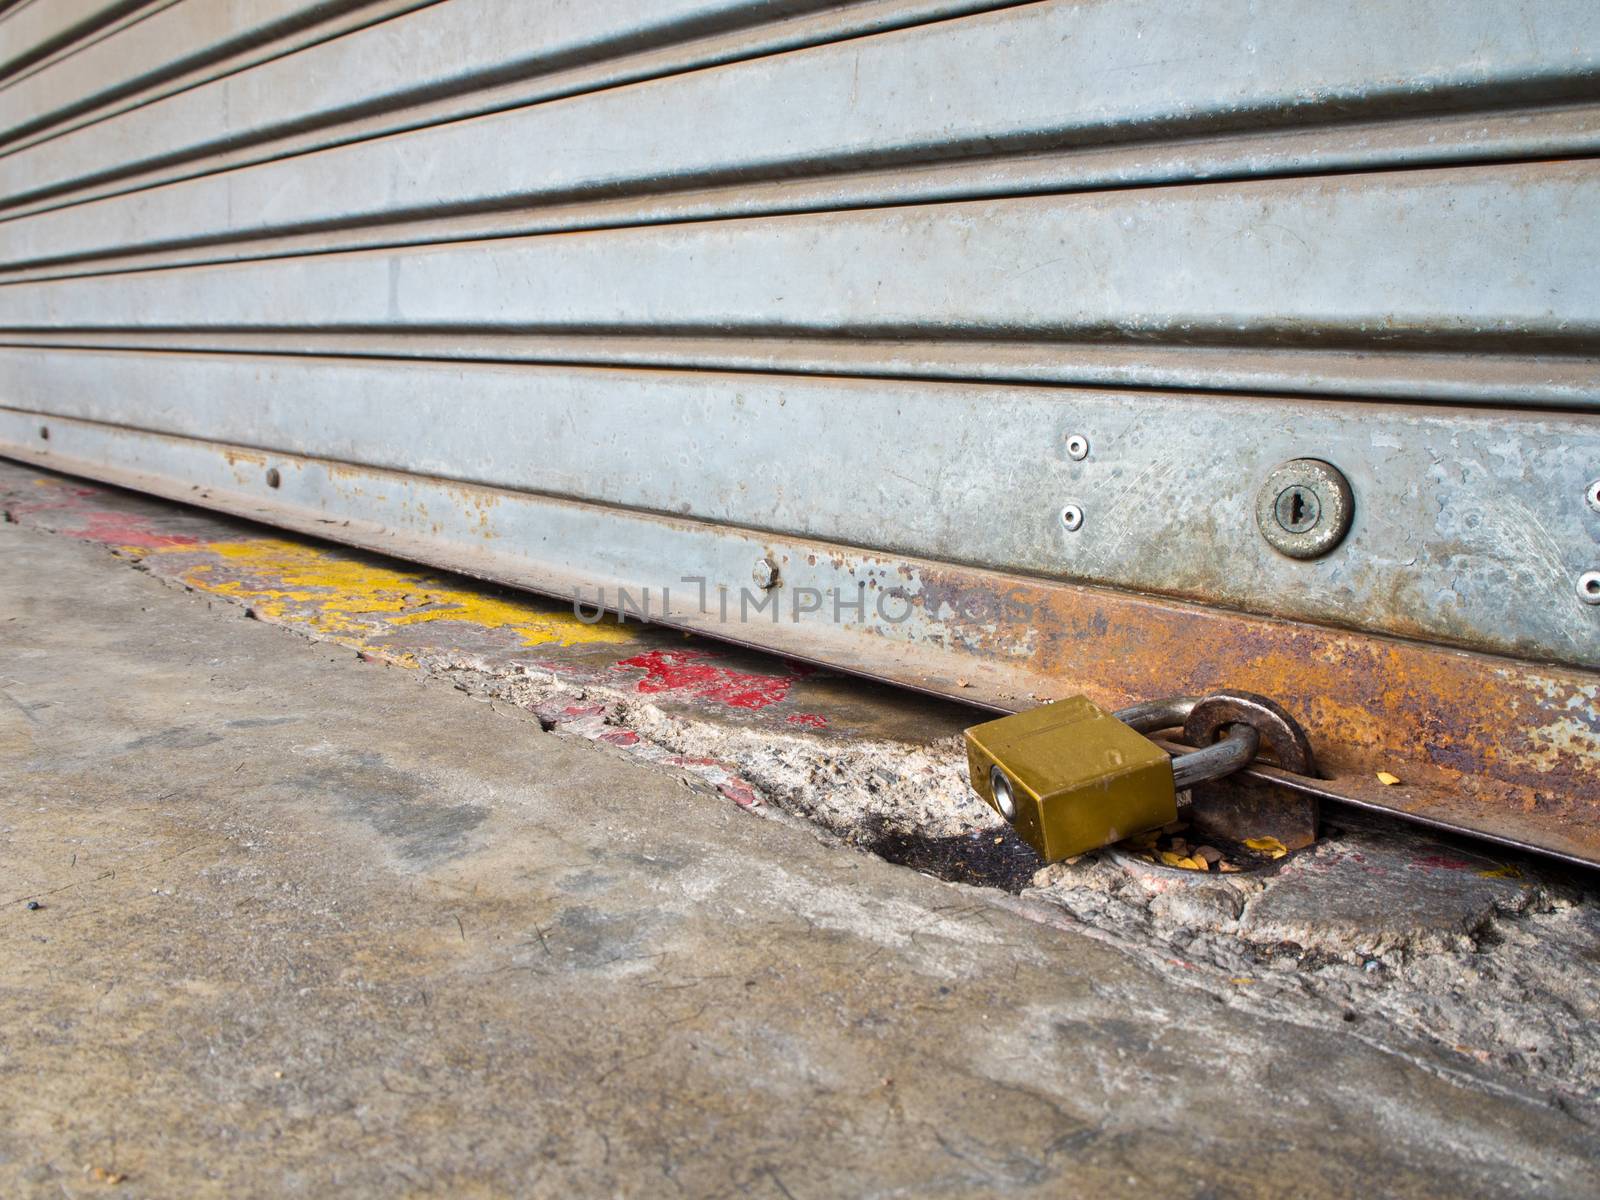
1443,862
620,737
809,720
97,525
740,793
692,672
126,529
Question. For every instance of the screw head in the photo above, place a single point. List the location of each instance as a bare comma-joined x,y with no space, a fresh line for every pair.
1304,508
765,573
1072,518
1589,587
1004,800
1077,446
1592,494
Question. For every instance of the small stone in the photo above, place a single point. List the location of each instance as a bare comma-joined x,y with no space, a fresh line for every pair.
1210,853
34,906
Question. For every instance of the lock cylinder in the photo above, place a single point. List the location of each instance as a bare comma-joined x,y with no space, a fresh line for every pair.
1071,777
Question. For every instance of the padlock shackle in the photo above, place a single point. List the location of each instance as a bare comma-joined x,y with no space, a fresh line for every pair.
1224,757
1232,752
1152,715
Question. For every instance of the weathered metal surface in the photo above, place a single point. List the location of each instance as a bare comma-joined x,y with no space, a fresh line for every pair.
30,33
1503,379
172,47
1232,262
443,62
1432,553
1262,264
1182,80
1505,749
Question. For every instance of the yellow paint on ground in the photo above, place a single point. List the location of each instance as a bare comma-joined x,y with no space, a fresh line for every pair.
351,601
1505,872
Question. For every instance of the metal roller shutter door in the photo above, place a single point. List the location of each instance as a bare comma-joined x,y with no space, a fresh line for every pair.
623,295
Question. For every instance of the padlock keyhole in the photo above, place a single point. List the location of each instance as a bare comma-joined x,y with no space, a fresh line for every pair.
1298,509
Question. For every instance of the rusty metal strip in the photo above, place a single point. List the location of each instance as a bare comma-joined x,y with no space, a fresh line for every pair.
1503,749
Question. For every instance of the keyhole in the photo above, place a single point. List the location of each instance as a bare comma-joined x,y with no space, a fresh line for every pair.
1297,509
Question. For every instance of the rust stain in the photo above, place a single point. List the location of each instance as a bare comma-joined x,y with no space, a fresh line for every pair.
1487,742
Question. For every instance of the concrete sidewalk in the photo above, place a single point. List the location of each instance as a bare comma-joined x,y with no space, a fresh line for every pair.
309,926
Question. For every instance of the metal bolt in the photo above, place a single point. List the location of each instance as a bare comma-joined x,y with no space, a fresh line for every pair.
1077,446
1003,799
1304,508
765,574
1592,494
1589,587
1072,518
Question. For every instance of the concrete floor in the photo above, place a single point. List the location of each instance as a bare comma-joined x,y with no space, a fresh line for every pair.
309,926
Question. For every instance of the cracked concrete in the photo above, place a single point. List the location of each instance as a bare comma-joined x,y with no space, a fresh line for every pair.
1479,965
1493,958
311,927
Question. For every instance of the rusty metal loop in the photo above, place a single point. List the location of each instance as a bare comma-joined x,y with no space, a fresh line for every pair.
1281,733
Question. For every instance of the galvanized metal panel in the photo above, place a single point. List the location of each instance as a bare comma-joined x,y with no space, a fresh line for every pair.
168,47
461,49
1462,377
30,32
629,293
1073,78
972,474
1254,264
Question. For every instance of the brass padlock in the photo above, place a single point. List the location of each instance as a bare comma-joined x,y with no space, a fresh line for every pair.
1071,777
